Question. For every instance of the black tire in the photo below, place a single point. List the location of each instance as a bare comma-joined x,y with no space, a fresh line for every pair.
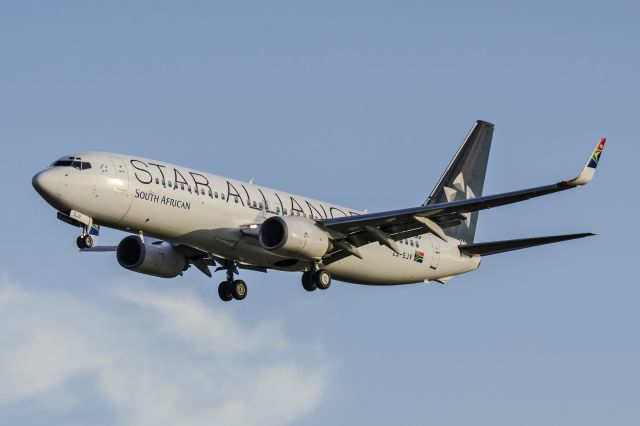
307,281
239,289
87,241
322,279
224,291
80,243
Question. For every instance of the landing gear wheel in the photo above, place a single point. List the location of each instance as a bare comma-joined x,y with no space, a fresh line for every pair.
84,241
321,279
307,281
224,291
239,289
87,240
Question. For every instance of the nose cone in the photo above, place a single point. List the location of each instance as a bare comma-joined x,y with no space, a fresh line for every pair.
46,183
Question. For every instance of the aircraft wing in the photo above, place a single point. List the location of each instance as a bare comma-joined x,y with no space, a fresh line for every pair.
390,226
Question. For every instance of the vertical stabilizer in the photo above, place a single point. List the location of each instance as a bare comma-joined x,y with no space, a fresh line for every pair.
464,178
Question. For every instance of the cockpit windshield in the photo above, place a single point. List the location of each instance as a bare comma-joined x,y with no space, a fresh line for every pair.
74,162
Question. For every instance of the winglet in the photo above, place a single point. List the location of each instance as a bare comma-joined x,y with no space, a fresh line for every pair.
590,168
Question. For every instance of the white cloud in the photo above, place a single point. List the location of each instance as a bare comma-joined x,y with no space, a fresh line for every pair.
157,357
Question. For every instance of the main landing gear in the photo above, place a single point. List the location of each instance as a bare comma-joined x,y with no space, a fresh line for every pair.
232,289
237,289
316,279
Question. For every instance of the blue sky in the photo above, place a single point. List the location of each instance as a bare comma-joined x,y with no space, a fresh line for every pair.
362,104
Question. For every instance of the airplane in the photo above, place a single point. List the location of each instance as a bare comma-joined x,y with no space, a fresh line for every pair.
179,217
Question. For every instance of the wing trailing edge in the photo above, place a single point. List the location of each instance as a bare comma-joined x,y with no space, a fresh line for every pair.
495,247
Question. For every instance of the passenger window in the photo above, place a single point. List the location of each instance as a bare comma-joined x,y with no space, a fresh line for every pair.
202,191
169,183
285,211
164,182
182,186
236,199
411,243
260,206
278,210
215,194
189,188
210,193
254,204
222,196
157,181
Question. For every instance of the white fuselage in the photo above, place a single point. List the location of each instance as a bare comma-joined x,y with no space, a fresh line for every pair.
209,212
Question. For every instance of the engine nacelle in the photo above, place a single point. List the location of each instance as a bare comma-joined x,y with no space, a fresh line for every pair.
159,260
293,236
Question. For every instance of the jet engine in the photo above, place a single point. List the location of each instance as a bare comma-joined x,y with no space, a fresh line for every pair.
293,236
159,259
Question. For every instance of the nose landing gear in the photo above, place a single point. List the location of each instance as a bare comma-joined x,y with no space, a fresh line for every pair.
88,238
84,241
90,231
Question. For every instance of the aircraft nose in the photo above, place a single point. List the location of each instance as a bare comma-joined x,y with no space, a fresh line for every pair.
45,183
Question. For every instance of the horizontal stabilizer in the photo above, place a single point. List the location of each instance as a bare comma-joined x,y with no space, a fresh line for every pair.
494,247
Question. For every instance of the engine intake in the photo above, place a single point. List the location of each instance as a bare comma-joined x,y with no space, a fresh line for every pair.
159,260
293,236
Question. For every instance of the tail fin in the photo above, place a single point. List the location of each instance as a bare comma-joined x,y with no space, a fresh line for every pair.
464,178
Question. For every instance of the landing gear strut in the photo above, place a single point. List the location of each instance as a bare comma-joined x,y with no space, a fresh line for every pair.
316,279
232,289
